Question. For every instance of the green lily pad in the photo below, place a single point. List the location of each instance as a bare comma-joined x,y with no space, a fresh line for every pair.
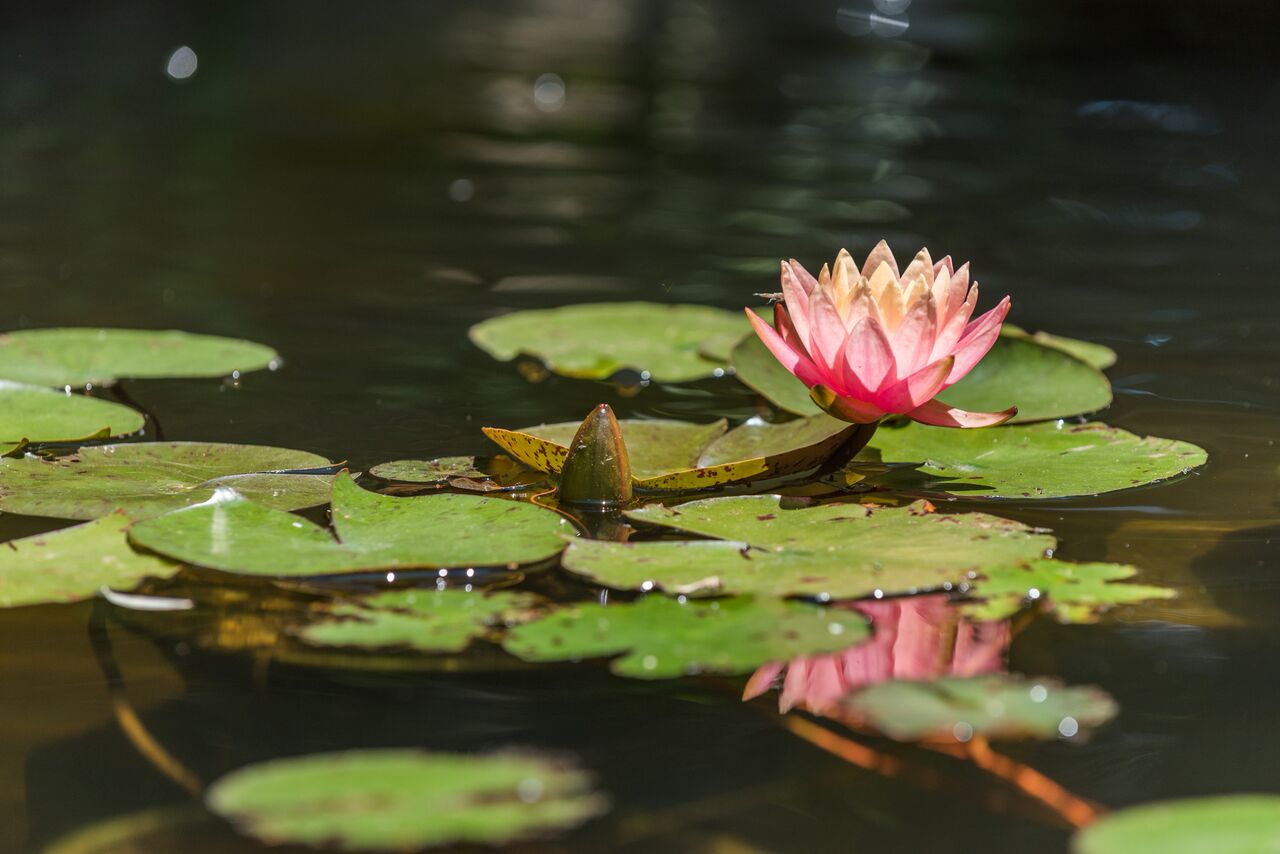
1029,461
1099,356
1076,592
661,638
676,456
148,478
74,563
234,534
1043,382
425,620
596,340
428,471
36,414
1225,824
399,800
77,357
998,706
837,551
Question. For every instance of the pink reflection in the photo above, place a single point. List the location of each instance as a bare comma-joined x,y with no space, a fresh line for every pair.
920,637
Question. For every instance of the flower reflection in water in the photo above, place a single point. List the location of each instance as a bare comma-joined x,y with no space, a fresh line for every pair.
921,637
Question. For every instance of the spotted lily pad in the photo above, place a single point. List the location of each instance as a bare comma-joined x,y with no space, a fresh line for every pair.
661,638
1075,592
1043,382
74,563
596,340
1030,461
837,551
400,800
678,456
148,478
997,706
234,534
426,620
77,357
428,471
1225,824
35,414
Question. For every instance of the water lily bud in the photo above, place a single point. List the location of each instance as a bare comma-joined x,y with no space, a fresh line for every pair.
597,471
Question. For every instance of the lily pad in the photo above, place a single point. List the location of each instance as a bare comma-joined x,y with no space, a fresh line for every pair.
1030,461
997,706
1098,355
1043,382
397,800
77,357
36,414
1225,824
425,620
234,534
596,340
837,551
1076,592
428,471
74,563
661,638
148,478
676,456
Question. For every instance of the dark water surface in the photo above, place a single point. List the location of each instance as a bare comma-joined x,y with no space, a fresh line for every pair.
358,186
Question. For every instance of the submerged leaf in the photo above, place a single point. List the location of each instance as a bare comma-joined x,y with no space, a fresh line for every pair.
373,531
838,551
1029,461
659,638
1076,592
37,414
397,800
996,706
77,357
426,620
73,563
148,478
1225,824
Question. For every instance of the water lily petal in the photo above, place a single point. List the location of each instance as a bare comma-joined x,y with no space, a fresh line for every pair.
845,408
762,680
938,414
826,330
797,297
914,339
881,254
977,340
916,389
921,267
867,356
944,264
795,361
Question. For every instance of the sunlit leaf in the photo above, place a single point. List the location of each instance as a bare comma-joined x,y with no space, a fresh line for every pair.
234,534
148,478
840,551
426,620
73,563
1098,355
398,800
76,357
1043,382
37,414
1029,461
996,706
657,637
596,340
1075,592
428,471
1225,824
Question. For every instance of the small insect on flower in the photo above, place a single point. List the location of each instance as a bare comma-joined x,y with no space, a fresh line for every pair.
879,342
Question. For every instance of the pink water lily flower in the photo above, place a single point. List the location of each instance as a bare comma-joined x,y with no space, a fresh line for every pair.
879,342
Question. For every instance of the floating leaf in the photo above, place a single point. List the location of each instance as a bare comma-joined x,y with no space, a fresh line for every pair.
596,340
1098,355
234,534
498,473
73,563
1030,461
148,478
676,456
1076,592
1043,382
662,638
33,414
396,800
428,471
77,357
188,828
427,620
1225,824
840,551
997,706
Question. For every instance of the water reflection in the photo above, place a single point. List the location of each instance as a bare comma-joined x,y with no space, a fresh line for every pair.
921,637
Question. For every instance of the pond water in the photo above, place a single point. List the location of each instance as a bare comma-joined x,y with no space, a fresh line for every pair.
358,187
